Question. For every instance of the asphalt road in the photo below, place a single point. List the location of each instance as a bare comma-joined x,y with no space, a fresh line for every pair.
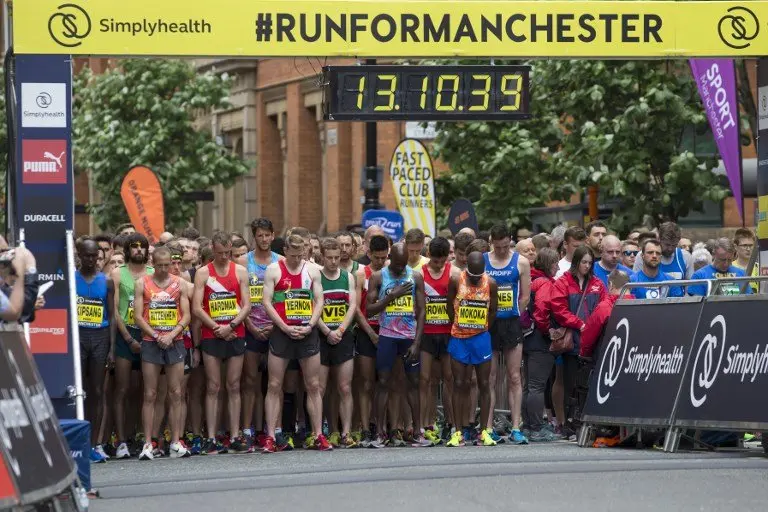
504,478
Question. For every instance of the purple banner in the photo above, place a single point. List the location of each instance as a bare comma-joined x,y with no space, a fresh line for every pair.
716,80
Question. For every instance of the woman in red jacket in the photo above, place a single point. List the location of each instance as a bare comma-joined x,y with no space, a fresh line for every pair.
566,296
537,358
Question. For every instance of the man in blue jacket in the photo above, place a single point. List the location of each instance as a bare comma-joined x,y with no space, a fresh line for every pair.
721,268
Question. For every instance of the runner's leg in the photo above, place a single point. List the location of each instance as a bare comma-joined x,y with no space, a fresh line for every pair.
174,375
344,373
274,399
234,374
310,367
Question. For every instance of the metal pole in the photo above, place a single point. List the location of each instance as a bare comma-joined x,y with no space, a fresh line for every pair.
73,326
371,178
22,239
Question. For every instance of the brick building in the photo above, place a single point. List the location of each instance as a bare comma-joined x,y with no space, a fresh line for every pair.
306,171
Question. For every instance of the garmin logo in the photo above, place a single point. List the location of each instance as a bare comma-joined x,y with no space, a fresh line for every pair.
58,276
45,218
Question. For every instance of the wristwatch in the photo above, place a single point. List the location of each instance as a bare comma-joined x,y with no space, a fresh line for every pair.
232,325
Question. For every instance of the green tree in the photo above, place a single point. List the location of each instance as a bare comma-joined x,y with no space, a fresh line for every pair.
143,113
620,125
503,168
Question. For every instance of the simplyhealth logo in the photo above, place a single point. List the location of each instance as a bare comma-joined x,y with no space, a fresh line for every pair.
738,28
69,25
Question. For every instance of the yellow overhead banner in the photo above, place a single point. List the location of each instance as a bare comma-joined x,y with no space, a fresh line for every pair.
396,28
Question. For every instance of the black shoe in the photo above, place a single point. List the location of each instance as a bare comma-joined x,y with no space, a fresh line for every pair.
239,445
209,447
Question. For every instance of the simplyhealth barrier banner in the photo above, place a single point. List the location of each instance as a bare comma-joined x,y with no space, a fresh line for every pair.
726,385
641,363
436,28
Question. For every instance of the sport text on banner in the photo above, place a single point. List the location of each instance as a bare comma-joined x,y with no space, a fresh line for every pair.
716,80
413,181
363,28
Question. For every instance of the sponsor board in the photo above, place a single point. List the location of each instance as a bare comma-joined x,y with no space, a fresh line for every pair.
404,28
44,161
43,105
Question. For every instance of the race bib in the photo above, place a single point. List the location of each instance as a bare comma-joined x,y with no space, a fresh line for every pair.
473,314
402,306
437,310
298,305
506,297
131,320
163,315
257,290
90,312
334,311
223,306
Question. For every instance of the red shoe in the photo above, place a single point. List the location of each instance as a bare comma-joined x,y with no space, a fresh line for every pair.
322,444
261,439
269,445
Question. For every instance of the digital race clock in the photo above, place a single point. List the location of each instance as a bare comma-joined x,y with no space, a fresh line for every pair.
426,93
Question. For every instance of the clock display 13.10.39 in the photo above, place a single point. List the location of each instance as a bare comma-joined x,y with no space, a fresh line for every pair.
446,93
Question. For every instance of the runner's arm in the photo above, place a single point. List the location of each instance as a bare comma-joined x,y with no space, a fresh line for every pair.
138,309
494,304
111,314
186,315
419,310
201,276
352,311
375,306
453,284
317,293
245,295
359,316
116,304
524,268
270,279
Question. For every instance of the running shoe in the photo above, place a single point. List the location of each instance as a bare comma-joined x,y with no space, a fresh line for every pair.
357,436
309,442
457,439
495,436
421,442
348,441
546,434
486,439
96,456
396,439
322,444
446,432
197,445
209,447
222,448
178,450
335,439
366,440
517,437
379,442
432,436
167,436
100,450
284,442
122,452
269,445
110,449
157,451
239,445
147,452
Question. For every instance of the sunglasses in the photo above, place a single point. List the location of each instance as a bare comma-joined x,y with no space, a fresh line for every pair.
631,253
175,257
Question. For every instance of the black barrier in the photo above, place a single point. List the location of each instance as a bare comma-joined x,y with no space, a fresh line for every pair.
640,363
726,383
31,441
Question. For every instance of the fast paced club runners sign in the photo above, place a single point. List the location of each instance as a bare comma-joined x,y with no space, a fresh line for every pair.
362,28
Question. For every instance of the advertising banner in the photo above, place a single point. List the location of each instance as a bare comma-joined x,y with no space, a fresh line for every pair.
462,215
143,199
413,182
400,28
391,222
716,80
45,207
32,443
640,364
727,376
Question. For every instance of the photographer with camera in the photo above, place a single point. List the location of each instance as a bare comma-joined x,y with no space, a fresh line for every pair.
17,296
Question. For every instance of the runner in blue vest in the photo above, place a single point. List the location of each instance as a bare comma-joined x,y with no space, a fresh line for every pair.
513,278
675,262
95,300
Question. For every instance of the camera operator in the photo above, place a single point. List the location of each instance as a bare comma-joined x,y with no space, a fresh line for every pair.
17,295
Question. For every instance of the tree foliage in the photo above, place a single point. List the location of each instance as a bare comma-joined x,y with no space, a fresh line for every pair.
617,124
143,113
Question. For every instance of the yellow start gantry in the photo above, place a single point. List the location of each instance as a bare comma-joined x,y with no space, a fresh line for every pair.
398,28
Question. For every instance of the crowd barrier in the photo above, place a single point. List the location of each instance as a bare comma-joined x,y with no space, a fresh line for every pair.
682,363
35,464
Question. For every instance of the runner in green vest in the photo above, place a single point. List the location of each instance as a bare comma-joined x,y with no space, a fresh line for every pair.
128,339
337,340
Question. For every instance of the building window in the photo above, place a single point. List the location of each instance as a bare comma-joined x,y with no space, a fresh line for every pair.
699,141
